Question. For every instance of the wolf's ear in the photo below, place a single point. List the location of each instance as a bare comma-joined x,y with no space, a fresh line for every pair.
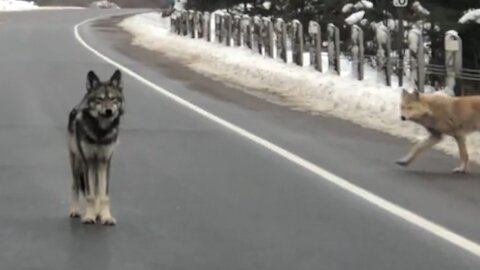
404,92
116,79
92,80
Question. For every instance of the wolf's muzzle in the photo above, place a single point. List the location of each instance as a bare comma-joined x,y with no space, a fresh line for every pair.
403,118
108,113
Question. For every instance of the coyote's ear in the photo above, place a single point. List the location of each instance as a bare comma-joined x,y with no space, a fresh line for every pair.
92,80
404,92
116,79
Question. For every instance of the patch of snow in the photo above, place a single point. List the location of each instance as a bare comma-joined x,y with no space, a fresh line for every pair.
417,7
347,8
367,4
471,15
104,4
17,5
368,103
355,17
363,4
267,4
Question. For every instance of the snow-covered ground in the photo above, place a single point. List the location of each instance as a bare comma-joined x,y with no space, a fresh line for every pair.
368,103
19,5
15,5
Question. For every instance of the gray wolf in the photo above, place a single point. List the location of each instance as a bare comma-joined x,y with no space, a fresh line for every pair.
441,115
93,129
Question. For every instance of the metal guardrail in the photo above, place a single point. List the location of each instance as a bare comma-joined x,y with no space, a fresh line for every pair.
289,41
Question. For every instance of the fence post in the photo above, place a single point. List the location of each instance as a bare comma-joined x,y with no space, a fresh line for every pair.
281,40
244,32
237,30
357,52
297,41
196,24
333,48
383,57
417,59
269,36
251,34
453,59
218,27
316,51
183,23
189,19
257,44
206,25
228,22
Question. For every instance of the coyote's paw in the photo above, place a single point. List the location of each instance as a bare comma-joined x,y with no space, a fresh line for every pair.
402,162
460,170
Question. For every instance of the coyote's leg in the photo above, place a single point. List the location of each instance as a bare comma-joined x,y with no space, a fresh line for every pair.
433,139
462,149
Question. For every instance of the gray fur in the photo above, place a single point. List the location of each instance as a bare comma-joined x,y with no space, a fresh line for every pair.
93,128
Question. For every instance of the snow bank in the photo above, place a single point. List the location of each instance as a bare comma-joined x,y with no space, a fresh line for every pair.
472,15
367,103
104,4
355,17
15,5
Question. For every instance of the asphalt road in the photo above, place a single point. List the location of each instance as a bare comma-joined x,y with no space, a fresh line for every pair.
190,194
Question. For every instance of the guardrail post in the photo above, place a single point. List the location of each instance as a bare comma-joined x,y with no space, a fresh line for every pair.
297,43
244,30
218,28
269,37
237,30
228,29
189,23
206,25
383,57
316,51
333,48
257,42
281,40
196,25
357,52
417,59
453,59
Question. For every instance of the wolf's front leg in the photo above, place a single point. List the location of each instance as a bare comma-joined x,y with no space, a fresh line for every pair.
462,149
418,148
89,216
104,200
77,174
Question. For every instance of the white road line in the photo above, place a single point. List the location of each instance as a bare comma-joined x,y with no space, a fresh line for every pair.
391,208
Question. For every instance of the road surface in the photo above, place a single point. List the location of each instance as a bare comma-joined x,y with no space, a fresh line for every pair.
190,194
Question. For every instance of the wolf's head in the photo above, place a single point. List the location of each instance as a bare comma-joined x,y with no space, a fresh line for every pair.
104,99
412,108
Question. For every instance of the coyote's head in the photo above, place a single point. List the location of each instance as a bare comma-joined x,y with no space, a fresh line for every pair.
104,99
412,108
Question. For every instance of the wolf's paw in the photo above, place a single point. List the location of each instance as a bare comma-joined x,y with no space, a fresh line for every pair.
88,220
74,214
108,221
402,162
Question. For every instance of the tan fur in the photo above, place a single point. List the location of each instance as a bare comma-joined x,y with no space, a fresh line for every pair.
441,115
